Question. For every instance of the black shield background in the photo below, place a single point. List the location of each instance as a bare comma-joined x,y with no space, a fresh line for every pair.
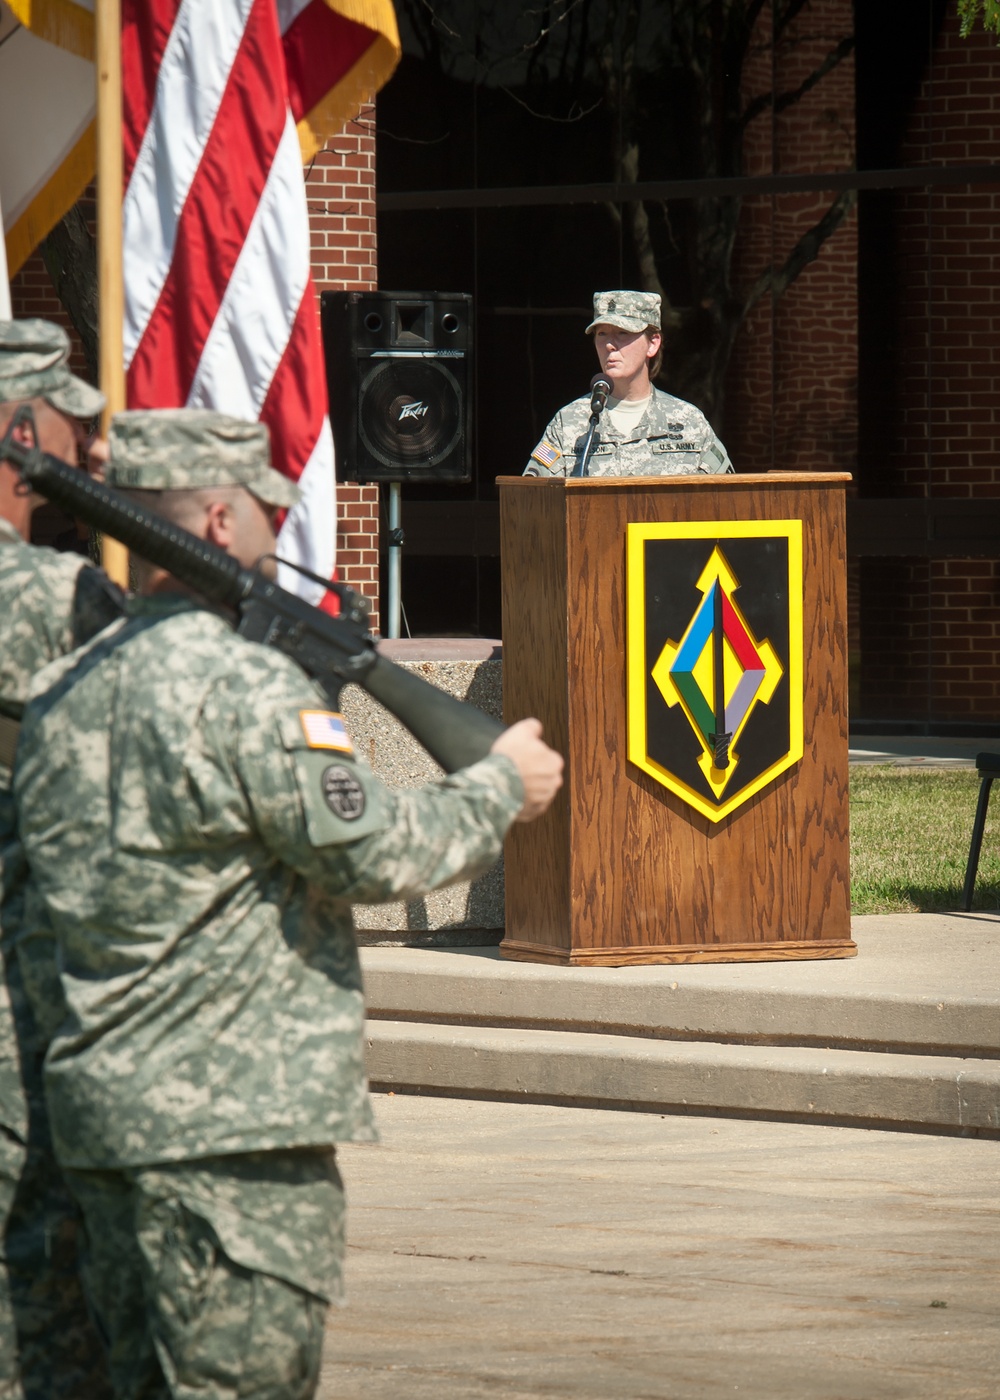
672,569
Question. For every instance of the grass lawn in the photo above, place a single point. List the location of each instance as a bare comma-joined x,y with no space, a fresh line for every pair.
910,833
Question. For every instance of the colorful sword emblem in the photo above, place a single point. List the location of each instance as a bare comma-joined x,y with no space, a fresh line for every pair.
717,672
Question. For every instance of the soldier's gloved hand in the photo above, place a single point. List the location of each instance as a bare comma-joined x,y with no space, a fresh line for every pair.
540,767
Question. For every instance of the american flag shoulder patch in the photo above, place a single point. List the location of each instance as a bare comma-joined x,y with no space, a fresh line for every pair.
546,454
324,729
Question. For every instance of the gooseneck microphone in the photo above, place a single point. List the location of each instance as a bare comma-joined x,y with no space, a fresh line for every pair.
600,388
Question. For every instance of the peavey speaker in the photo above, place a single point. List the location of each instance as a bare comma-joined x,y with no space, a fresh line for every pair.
398,368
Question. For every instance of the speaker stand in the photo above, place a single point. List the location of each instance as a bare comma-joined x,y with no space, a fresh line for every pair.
395,559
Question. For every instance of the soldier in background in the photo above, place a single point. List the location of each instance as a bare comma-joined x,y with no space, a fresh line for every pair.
49,604
201,898
643,431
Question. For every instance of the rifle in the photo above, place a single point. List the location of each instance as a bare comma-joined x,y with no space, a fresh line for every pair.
333,650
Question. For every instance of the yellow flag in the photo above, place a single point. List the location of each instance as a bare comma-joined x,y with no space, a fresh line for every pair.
47,101
5,311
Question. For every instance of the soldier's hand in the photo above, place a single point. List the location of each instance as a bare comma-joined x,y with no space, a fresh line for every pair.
97,455
540,767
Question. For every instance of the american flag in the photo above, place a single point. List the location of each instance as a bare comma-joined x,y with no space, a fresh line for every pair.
325,729
222,101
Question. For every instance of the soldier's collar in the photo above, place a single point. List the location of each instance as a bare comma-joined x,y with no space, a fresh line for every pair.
163,604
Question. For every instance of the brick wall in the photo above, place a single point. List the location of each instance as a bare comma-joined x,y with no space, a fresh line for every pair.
939,434
340,189
32,292
791,394
792,384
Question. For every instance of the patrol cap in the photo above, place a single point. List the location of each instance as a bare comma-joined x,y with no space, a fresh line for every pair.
629,311
33,365
189,449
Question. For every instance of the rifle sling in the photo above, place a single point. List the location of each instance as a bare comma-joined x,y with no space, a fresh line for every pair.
9,730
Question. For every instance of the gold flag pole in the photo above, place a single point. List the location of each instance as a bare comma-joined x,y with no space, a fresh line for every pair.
111,285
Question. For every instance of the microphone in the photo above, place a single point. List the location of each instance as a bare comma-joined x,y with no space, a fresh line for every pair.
600,388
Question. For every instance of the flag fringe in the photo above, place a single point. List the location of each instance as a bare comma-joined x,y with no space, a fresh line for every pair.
56,198
358,86
59,22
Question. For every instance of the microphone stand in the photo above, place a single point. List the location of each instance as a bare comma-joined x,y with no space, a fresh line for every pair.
581,466
600,388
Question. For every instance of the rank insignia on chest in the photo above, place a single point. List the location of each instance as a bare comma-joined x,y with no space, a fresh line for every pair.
715,657
325,729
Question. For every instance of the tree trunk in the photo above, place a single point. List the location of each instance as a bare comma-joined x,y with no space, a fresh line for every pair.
70,254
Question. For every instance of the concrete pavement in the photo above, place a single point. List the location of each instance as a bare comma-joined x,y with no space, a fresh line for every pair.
533,1250
526,1251
919,751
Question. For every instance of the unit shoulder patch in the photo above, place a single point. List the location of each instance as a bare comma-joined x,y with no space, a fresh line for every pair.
344,795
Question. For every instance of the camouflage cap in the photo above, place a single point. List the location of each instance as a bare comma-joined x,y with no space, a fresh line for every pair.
33,356
629,311
189,449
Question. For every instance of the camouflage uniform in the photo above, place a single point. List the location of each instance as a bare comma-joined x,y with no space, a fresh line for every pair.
49,604
201,898
672,438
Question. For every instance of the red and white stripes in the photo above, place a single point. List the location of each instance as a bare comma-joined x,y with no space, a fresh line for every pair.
220,306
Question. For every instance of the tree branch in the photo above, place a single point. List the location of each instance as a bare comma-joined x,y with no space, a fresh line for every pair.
785,16
544,116
547,29
788,99
753,13
807,250
835,56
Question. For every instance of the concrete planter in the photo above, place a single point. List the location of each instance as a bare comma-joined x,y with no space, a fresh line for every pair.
471,912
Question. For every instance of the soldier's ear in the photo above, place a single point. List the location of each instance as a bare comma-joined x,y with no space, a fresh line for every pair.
219,524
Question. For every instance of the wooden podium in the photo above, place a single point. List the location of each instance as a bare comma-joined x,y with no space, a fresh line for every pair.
633,864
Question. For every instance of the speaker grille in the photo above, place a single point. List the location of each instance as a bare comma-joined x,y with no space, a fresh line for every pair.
410,412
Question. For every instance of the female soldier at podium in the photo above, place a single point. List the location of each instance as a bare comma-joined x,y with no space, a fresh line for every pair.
643,431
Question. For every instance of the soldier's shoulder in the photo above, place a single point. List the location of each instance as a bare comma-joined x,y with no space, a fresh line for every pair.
20,560
666,405
575,410
251,676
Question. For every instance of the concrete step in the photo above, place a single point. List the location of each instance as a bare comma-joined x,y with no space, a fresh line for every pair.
905,1035
611,1071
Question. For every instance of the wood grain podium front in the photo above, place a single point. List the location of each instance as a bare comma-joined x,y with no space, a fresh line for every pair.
637,863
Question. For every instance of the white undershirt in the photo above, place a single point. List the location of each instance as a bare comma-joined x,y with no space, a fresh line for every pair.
625,413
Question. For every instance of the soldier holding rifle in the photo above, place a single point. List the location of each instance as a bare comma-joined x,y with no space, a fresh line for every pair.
198,825
49,604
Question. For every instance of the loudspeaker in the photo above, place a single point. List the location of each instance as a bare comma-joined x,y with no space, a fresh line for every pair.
398,370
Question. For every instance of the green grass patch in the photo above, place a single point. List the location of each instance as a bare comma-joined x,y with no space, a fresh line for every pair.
910,834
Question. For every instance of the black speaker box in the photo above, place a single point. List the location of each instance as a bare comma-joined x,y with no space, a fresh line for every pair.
398,370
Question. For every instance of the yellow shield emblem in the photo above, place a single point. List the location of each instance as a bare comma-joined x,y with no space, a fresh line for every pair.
714,657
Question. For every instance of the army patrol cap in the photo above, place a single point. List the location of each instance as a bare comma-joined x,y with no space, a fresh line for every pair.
629,311
33,365
189,449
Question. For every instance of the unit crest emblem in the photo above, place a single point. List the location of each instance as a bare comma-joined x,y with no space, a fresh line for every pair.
715,657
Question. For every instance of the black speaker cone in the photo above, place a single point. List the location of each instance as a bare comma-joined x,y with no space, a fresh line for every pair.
410,412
